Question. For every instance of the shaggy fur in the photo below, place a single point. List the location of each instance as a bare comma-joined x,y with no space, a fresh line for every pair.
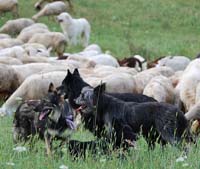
161,89
25,119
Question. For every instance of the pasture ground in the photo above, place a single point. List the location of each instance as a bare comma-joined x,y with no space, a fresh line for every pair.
151,28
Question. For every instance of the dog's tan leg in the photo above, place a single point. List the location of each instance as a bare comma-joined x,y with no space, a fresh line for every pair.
47,138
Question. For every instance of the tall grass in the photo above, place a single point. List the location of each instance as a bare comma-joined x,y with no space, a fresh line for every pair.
140,157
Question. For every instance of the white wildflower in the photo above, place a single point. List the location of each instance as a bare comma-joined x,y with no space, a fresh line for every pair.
63,167
180,159
185,165
2,114
103,160
10,163
20,149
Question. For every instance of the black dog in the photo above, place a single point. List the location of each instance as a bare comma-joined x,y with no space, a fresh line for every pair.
72,86
160,122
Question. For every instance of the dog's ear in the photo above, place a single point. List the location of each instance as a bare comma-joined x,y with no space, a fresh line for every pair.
51,87
76,72
100,88
69,75
68,72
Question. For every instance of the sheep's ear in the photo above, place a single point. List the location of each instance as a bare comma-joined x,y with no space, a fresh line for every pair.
76,72
51,87
100,88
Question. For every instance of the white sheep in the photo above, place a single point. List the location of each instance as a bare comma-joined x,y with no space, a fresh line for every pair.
35,86
27,53
55,40
10,60
54,8
89,51
4,36
161,89
77,30
38,5
177,63
15,52
27,33
9,42
21,72
22,55
35,26
26,36
36,49
188,84
176,78
8,79
93,47
144,77
102,59
13,27
9,6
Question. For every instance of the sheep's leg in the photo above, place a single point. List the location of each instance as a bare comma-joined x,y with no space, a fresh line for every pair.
85,38
70,4
61,49
193,113
38,15
15,12
74,41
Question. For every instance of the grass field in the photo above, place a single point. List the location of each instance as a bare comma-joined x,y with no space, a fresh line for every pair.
151,28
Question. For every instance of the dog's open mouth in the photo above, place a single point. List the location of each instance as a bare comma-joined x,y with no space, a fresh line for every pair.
44,114
82,107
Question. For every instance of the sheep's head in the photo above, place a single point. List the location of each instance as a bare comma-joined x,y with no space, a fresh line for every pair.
37,6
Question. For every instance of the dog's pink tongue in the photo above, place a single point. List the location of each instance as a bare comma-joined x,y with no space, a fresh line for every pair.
79,109
42,115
